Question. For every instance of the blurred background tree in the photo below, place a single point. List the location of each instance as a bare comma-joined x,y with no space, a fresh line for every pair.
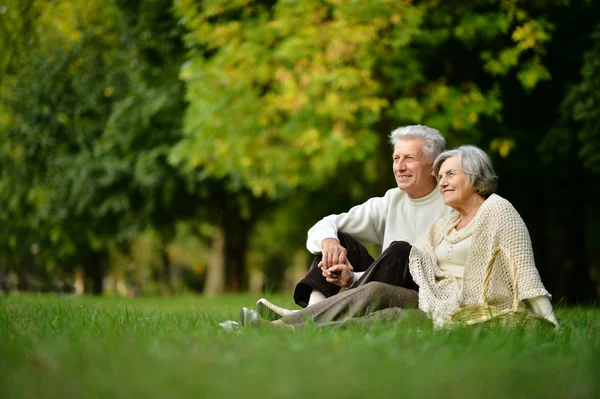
238,124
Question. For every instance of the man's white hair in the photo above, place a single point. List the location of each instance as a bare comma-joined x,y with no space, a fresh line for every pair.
433,145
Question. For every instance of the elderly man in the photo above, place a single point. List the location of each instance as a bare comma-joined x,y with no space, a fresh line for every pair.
392,221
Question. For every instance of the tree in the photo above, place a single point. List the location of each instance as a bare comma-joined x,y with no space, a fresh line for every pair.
52,118
93,136
313,85
284,96
543,174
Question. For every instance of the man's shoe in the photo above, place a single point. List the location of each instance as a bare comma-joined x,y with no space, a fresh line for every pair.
249,318
270,311
230,326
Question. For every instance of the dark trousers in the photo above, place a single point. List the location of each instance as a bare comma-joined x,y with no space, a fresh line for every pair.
390,268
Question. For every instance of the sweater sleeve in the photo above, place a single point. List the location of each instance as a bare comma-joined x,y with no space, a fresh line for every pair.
365,222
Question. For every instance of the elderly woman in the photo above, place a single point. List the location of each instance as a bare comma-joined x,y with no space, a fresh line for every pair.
448,263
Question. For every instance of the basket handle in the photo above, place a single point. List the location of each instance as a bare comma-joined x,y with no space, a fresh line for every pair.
488,275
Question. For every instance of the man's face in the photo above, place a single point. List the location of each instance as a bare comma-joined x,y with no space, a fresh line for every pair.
412,169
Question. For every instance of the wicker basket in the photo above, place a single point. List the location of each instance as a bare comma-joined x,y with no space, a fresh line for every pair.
492,316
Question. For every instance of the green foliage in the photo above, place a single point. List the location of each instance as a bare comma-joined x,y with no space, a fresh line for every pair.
90,140
15,31
283,94
261,117
581,104
53,119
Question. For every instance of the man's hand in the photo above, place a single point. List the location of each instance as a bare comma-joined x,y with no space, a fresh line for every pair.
333,253
340,274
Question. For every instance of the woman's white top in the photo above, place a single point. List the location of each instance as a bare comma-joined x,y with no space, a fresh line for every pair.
452,251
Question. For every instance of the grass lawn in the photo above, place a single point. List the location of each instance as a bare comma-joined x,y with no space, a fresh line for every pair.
172,348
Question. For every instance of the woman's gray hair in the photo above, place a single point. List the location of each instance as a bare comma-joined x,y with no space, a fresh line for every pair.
433,145
477,166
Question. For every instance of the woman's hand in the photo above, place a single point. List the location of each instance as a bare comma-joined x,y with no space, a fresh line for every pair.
341,274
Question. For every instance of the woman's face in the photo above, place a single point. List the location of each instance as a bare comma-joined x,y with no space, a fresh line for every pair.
454,184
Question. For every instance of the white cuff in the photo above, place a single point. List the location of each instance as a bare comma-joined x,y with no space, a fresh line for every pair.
542,306
357,275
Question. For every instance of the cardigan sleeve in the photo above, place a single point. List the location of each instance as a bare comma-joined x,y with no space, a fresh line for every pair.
514,236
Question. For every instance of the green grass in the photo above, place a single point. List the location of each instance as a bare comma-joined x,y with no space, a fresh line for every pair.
173,348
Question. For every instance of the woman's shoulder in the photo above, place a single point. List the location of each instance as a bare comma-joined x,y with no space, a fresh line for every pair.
499,203
502,209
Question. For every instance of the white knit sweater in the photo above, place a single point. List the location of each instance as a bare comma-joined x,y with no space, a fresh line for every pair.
382,220
498,223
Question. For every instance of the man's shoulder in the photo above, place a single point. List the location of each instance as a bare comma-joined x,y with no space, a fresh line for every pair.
393,194
397,195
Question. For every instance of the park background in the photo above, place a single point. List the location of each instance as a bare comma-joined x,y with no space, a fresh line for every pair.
169,157
174,147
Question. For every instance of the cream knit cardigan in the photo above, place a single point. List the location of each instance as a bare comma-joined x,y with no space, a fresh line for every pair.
497,223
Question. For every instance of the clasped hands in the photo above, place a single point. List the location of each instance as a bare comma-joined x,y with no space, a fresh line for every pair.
335,266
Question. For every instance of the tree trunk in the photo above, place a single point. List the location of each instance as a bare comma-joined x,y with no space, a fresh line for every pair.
23,274
275,268
95,266
236,244
79,283
215,269
384,156
167,270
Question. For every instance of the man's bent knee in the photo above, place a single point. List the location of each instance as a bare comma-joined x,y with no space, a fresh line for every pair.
375,289
399,247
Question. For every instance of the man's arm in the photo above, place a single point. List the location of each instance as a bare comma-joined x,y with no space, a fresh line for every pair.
365,222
